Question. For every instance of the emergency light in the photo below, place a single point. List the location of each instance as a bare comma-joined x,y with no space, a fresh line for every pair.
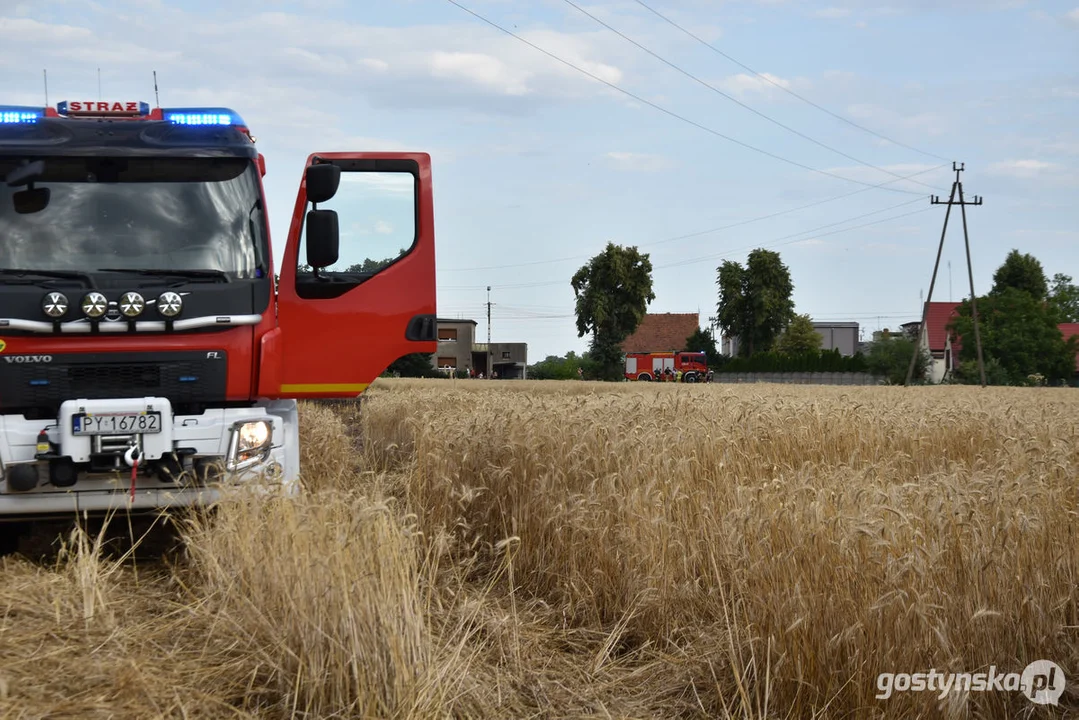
15,114
188,116
202,116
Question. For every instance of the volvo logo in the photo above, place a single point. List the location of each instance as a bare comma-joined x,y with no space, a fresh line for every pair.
54,304
19,359
131,304
94,305
169,304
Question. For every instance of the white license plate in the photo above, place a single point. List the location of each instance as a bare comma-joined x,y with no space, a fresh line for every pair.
144,423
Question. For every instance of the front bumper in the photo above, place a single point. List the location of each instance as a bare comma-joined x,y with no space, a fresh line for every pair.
187,463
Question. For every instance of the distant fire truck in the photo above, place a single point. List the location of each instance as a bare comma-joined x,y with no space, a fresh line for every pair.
652,366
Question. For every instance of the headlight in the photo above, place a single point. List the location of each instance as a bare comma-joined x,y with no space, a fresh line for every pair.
250,444
254,435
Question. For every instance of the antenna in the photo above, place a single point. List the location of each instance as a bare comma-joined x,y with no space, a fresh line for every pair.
99,83
157,100
45,75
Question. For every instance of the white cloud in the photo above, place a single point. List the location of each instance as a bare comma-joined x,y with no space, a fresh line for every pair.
883,119
1020,168
381,183
480,69
383,228
832,13
375,64
1073,16
460,65
637,162
743,84
318,62
28,30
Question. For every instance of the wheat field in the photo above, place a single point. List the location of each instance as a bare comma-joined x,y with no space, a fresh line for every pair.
518,549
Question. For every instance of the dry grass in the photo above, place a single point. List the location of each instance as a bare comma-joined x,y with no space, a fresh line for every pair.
521,549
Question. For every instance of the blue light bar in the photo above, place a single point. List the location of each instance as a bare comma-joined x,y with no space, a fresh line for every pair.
203,116
15,114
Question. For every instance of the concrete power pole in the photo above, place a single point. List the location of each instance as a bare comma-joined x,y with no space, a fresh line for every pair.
957,187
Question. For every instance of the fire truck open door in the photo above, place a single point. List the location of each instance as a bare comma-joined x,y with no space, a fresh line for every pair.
357,282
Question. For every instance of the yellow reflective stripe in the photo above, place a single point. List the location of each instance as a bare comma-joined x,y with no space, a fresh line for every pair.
325,387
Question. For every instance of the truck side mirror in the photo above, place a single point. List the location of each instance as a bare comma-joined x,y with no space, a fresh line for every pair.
322,181
323,238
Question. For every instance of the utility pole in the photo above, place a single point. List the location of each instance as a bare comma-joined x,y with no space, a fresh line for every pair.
488,315
957,187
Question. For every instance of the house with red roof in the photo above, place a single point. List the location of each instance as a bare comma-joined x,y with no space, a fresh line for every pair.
944,346
662,332
1069,330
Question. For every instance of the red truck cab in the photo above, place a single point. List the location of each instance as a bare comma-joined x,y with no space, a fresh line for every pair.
148,351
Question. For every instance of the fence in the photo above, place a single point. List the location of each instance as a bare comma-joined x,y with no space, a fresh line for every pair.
800,378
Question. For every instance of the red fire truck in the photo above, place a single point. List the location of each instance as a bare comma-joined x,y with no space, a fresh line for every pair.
652,366
149,354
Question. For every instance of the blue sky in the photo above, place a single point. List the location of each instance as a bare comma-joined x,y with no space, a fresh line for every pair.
537,166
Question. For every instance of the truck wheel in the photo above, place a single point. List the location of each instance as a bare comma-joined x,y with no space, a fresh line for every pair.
690,377
645,377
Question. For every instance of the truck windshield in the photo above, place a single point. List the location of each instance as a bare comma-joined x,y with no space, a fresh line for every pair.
136,213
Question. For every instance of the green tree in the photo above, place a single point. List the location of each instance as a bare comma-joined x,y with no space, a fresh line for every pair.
755,302
415,365
703,341
613,291
889,357
367,266
554,367
1020,332
966,373
799,337
1064,298
733,308
1022,272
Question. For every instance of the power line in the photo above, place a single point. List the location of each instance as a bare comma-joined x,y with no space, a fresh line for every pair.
775,244
785,89
697,233
691,261
664,110
735,100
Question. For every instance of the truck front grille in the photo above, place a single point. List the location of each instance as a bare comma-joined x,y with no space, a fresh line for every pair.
115,377
185,378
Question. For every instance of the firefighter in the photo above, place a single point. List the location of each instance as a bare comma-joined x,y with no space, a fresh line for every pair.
678,376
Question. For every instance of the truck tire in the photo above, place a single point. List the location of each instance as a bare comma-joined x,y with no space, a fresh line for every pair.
644,377
689,377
